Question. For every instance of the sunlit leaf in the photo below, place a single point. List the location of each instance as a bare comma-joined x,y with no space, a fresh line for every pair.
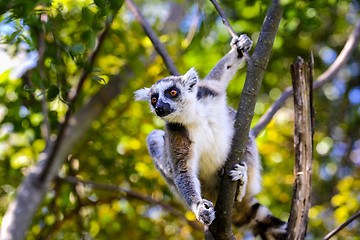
99,79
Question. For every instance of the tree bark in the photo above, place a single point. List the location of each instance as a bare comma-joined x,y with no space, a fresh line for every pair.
302,79
221,228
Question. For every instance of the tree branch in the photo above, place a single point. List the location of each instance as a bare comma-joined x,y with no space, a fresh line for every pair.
302,79
339,228
72,98
193,27
224,19
221,227
154,39
45,126
327,76
131,194
228,26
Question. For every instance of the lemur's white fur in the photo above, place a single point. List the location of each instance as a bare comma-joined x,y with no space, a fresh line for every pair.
197,140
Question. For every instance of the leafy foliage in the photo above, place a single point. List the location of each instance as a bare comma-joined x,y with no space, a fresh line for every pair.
113,150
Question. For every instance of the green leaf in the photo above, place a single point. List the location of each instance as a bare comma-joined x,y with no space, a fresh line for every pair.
77,49
97,24
116,4
89,38
36,79
29,88
101,5
86,16
52,93
53,67
13,36
28,41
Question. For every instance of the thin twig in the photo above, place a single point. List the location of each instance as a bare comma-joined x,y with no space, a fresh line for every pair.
152,35
72,99
343,57
228,26
339,228
224,19
193,27
45,126
327,76
131,194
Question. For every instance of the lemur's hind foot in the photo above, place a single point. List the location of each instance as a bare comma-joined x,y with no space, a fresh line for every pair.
239,173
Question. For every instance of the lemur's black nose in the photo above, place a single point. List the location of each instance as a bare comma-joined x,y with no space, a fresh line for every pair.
162,109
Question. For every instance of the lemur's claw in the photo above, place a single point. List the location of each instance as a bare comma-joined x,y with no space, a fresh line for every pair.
243,42
239,173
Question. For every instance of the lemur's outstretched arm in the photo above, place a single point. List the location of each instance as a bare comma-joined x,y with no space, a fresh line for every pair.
225,69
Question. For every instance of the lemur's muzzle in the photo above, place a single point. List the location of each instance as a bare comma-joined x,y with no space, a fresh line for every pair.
162,109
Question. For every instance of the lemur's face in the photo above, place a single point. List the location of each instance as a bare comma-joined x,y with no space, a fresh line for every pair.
172,96
165,97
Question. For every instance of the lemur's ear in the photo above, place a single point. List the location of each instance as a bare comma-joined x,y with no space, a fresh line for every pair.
142,94
191,78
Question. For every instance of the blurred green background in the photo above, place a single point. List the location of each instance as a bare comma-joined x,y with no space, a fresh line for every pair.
113,151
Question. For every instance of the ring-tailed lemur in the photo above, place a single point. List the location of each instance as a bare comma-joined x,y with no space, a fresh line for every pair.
193,149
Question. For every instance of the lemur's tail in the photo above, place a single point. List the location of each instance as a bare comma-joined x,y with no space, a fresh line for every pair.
252,214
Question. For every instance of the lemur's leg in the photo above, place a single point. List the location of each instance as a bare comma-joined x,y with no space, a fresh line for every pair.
184,167
225,69
155,142
180,180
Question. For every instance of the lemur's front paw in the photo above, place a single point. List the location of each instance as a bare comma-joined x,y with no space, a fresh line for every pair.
205,212
243,42
239,173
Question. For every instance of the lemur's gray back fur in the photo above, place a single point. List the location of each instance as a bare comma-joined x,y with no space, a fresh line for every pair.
192,151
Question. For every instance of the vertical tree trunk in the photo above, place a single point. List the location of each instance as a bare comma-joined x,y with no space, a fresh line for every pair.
302,79
221,227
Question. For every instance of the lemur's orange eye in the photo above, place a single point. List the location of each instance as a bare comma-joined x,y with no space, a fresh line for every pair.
173,92
153,99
